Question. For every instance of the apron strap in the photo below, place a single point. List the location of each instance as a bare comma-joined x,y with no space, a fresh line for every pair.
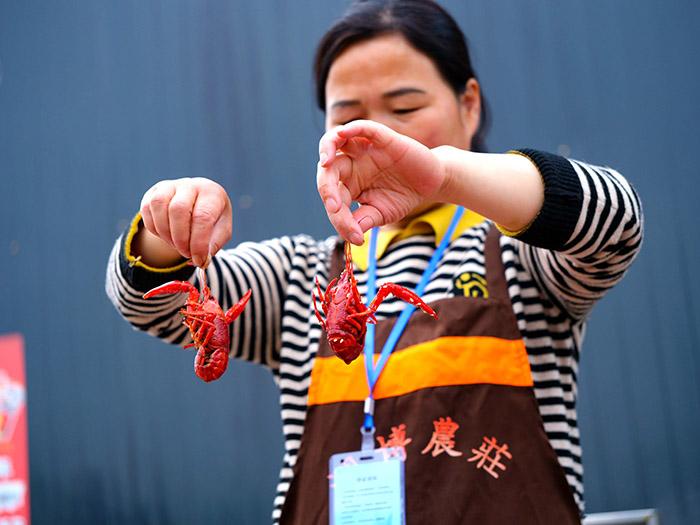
495,271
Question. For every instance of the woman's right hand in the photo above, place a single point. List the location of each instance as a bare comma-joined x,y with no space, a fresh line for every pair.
191,217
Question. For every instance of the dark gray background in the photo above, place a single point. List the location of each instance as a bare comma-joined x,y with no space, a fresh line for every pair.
98,100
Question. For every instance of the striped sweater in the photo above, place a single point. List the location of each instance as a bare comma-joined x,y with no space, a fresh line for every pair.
581,243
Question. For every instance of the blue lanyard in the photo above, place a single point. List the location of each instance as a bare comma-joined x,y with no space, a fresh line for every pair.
373,372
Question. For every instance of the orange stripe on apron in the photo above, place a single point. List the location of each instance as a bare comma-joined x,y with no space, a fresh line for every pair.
446,361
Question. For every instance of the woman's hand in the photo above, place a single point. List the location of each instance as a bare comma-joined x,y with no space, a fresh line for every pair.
188,218
389,174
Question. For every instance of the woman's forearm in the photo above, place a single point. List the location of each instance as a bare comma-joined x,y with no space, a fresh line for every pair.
505,188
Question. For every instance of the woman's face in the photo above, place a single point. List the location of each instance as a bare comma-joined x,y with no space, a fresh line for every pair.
386,80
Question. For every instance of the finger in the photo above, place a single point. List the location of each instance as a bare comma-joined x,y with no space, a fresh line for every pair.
180,217
222,231
147,218
356,147
145,209
378,134
158,205
328,145
205,214
367,217
343,220
327,180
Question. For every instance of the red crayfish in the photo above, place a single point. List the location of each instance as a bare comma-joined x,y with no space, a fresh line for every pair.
207,322
347,316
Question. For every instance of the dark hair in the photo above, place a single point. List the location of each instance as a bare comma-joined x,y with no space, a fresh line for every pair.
423,23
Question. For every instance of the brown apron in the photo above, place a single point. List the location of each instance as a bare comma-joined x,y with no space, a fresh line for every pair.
457,395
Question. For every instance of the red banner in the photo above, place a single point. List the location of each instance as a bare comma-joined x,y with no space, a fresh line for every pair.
14,459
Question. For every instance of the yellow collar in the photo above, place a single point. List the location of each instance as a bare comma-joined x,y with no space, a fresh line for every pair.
433,221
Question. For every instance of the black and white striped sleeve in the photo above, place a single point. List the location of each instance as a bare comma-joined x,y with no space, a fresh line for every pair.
261,267
586,235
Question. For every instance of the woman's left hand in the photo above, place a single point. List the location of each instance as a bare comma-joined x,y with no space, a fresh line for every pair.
389,174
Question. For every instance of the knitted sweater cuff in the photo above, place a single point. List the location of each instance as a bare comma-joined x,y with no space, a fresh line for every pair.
563,200
141,276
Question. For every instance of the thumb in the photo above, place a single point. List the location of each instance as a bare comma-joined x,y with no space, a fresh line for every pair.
368,216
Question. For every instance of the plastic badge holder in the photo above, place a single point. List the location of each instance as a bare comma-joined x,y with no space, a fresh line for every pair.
367,487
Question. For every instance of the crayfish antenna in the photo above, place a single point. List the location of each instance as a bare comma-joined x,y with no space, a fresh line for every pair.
348,258
205,291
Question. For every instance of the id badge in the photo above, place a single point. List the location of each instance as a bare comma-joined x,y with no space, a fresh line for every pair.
367,487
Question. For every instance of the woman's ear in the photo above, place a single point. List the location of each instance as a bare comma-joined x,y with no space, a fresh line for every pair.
470,107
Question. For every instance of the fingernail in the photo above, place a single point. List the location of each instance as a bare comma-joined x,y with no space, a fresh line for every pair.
331,205
197,261
357,238
323,158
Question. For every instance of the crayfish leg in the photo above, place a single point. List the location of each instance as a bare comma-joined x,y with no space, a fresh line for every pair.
329,287
359,315
199,317
201,328
318,289
203,335
353,323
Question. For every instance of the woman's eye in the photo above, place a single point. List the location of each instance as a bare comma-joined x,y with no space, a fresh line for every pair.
403,111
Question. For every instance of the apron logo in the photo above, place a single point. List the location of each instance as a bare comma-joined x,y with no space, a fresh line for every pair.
489,457
397,438
471,284
443,438
483,455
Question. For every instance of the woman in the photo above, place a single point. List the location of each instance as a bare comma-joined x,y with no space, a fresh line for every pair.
481,402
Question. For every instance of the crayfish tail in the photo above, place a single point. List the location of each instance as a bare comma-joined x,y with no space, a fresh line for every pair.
210,367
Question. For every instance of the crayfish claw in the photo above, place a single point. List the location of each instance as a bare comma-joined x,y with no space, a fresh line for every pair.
171,287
